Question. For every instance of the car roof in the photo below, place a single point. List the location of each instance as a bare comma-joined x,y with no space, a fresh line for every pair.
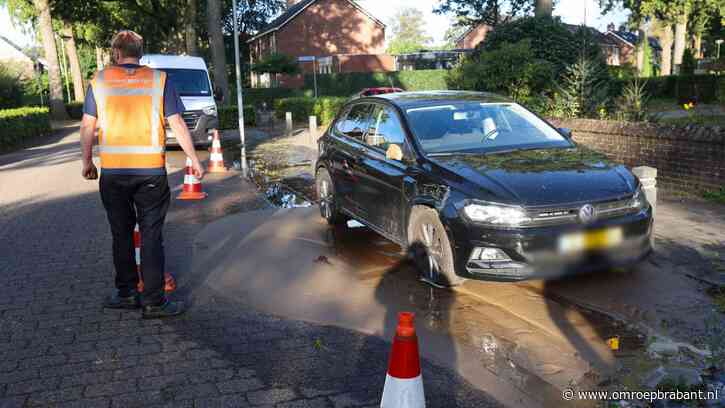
173,61
407,100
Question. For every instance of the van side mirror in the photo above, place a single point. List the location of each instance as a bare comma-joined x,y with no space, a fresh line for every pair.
566,132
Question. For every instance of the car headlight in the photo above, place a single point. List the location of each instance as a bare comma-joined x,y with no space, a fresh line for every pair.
209,110
498,215
639,201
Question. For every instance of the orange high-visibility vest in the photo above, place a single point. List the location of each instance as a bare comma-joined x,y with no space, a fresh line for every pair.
130,106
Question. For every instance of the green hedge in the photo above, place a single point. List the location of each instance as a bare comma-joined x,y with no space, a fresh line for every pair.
347,84
229,117
685,88
325,108
257,96
75,110
22,124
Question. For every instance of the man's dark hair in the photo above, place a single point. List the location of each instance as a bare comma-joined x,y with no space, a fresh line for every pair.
129,43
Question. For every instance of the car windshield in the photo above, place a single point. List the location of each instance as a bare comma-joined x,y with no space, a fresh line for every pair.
189,82
466,127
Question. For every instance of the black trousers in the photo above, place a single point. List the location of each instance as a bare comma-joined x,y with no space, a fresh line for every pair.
144,199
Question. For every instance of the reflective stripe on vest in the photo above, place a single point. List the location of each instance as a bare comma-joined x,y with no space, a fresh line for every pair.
125,87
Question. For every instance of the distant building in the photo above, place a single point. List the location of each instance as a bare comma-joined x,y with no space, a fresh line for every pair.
13,56
425,59
626,43
473,36
340,34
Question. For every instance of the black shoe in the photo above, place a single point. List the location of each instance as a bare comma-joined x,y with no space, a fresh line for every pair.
166,309
118,302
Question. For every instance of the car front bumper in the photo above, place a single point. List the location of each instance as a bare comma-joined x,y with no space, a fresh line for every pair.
535,253
200,134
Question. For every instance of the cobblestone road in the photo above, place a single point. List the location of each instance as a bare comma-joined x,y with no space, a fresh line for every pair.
59,348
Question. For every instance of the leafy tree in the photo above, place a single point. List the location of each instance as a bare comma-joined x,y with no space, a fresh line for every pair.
492,12
453,33
512,69
277,64
408,32
45,22
11,88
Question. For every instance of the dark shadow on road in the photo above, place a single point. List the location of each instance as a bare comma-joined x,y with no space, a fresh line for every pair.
44,151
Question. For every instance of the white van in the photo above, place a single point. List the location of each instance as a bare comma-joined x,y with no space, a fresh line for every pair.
190,76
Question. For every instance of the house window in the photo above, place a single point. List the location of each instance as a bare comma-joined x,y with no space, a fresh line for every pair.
324,65
614,56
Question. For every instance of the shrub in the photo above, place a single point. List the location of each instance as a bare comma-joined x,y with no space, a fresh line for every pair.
22,124
512,70
229,117
11,88
631,105
689,63
550,40
697,88
346,84
258,96
584,90
75,110
325,108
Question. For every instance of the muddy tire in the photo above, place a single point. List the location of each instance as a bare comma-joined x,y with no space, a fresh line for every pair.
430,250
329,209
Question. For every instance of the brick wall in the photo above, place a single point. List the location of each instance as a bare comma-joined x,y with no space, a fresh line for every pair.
689,160
474,37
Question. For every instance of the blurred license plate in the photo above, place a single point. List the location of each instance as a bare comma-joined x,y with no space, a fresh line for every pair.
590,240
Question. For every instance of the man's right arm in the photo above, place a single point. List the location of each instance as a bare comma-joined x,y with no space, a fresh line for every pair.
178,126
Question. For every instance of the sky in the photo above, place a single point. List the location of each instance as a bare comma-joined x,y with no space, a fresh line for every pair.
571,11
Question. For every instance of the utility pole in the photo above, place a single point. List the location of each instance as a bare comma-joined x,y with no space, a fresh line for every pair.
718,42
240,100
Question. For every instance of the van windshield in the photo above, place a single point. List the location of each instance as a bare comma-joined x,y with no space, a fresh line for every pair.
189,82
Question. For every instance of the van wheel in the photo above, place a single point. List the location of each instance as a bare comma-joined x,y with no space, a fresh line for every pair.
329,209
430,249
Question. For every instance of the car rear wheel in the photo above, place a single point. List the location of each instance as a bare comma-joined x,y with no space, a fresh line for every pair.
430,249
329,209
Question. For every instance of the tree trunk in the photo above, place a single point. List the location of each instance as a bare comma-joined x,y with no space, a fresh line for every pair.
99,58
191,36
57,108
75,64
697,45
680,40
216,43
544,8
666,43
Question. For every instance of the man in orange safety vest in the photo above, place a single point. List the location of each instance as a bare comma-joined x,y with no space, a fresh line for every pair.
128,104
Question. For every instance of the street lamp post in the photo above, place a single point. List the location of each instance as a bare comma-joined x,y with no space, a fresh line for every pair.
240,100
718,42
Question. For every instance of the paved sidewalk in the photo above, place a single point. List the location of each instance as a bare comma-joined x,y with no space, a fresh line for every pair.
59,348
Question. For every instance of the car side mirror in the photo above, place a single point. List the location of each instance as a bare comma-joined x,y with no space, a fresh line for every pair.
394,152
566,132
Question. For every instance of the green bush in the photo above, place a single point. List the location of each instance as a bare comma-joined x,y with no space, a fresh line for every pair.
511,70
11,88
21,124
229,117
347,84
325,108
684,88
75,110
550,40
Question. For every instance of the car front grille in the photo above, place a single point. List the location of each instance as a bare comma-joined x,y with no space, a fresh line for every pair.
191,118
545,216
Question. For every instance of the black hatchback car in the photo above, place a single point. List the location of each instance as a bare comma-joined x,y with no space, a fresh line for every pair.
476,186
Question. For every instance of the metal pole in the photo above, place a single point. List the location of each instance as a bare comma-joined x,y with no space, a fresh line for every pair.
240,100
314,73
63,67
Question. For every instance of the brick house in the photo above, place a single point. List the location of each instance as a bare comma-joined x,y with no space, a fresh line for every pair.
626,44
473,36
340,34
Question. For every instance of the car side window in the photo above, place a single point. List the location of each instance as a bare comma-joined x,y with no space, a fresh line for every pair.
385,129
355,122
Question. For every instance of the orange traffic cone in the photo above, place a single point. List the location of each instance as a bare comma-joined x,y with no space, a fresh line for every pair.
169,281
216,161
404,383
192,186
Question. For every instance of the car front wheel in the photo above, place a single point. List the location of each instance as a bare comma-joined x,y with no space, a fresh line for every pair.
328,201
430,248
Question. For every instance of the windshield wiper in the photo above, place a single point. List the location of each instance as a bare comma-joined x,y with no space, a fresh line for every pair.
488,135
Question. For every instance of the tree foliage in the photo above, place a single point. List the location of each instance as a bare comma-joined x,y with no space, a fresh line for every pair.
407,29
513,69
492,12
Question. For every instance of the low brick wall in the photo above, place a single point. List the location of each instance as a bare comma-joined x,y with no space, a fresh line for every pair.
689,160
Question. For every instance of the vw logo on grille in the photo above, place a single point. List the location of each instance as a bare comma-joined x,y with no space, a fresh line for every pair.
586,213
